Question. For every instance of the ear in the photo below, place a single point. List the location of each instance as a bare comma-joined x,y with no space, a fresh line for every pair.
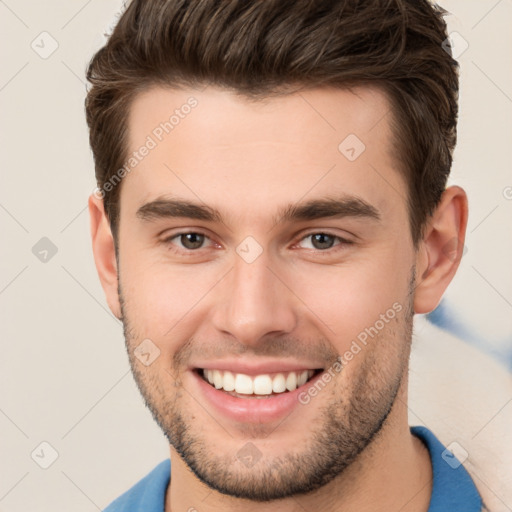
441,249
104,253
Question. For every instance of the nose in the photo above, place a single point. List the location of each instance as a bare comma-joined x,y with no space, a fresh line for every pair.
254,303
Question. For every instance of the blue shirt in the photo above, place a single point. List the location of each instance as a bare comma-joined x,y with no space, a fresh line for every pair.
452,487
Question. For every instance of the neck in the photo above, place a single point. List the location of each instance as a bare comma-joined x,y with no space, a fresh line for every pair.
394,472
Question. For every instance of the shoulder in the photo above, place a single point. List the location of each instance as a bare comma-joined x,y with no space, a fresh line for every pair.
463,394
146,495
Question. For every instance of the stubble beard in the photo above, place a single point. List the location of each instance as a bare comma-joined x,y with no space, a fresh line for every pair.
344,428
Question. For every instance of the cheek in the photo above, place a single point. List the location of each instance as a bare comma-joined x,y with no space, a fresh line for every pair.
351,299
166,302
160,298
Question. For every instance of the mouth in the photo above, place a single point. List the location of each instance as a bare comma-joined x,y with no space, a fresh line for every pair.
265,385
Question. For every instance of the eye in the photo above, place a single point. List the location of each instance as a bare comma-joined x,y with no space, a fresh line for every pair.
189,241
322,241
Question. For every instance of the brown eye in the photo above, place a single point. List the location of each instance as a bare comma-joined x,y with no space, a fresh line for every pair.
192,240
322,241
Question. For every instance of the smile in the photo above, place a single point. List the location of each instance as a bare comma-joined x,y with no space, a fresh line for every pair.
257,386
252,392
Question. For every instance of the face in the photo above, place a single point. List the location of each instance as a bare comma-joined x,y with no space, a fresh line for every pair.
262,244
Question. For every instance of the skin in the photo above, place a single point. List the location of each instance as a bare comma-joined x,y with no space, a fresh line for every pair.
296,301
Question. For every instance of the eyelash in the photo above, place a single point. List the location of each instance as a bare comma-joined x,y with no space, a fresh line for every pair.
340,242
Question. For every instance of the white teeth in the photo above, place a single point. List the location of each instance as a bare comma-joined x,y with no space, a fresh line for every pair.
303,377
262,385
243,384
291,381
229,381
258,385
279,383
218,381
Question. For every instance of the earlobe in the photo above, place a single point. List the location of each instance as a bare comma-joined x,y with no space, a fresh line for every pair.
104,253
441,250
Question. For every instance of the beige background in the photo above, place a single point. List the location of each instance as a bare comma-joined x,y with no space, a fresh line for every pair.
64,375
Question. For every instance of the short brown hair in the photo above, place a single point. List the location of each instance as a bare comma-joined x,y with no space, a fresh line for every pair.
260,48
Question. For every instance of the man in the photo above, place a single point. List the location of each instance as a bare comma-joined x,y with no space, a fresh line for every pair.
271,212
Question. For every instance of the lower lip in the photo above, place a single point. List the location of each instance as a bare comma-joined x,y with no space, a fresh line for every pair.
253,410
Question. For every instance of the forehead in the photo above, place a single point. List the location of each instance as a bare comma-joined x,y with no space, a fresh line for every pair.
246,154
321,113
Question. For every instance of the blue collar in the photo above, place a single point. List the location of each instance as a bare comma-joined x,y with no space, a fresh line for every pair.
452,487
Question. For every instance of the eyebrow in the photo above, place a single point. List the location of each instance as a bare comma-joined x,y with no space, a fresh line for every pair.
346,206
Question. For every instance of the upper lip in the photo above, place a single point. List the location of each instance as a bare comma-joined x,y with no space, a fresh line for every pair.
257,368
